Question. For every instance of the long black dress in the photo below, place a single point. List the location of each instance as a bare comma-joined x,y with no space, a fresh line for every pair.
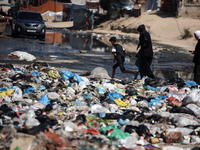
196,60
145,54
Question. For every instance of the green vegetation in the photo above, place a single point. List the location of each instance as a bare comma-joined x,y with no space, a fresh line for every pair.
186,34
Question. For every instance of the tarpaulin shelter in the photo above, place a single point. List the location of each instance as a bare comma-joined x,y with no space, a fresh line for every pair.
73,7
51,6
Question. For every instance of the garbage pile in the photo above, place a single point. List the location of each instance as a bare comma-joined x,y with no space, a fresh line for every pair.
43,108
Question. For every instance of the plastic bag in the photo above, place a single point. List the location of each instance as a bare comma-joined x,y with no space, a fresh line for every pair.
173,137
66,75
193,97
30,90
98,108
115,96
183,121
31,122
113,133
81,85
35,73
120,103
129,142
17,94
194,108
53,95
23,55
172,101
44,100
78,78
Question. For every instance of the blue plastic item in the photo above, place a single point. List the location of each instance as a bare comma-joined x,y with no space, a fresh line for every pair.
35,73
78,78
100,90
191,83
149,88
153,102
44,100
17,69
114,96
77,102
102,114
3,89
87,96
35,80
122,122
66,75
30,90
41,87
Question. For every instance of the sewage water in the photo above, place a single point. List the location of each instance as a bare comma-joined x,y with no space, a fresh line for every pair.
81,51
98,54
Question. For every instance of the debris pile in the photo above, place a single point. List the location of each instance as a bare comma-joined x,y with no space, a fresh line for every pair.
43,108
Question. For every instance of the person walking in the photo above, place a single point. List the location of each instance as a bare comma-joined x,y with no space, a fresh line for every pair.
196,58
91,20
119,56
145,54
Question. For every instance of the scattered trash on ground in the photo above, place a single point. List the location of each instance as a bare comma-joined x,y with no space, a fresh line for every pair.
43,108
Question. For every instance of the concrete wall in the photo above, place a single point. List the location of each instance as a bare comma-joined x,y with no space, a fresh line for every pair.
189,11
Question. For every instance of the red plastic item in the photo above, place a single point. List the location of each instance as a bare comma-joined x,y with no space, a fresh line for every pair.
173,101
7,69
93,131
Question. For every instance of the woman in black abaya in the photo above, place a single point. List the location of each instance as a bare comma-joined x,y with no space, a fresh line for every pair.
145,54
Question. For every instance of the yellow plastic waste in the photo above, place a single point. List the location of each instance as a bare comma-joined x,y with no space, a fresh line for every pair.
60,113
9,92
53,74
6,93
100,86
120,103
115,83
3,94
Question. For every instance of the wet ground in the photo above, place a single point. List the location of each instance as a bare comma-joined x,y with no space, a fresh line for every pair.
80,52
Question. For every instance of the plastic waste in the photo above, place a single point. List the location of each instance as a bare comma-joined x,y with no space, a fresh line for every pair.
191,83
35,73
70,91
81,85
183,121
44,100
31,122
173,137
98,108
66,75
53,96
29,114
129,142
194,108
17,94
120,103
174,101
23,55
78,78
113,133
115,96
192,97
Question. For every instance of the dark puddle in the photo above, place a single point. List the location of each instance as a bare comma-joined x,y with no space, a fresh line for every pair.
85,51
166,63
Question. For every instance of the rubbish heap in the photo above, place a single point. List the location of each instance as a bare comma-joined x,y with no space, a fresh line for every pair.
44,108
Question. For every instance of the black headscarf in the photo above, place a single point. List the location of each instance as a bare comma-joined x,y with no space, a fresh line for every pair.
145,41
141,28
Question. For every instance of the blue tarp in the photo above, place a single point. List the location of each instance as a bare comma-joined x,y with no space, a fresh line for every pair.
7,5
74,6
